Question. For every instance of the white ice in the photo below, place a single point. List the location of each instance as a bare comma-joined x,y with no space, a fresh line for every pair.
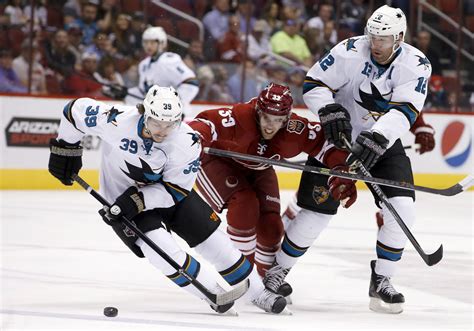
61,265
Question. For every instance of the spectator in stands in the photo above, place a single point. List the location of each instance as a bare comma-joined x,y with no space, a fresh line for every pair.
21,66
40,20
107,13
205,75
138,26
15,12
83,82
194,57
251,87
216,21
276,73
107,74
294,10
290,44
296,77
324,16
87,22
353,15
9,81
74,35
101,46
123,39
219,91
258,43
230,47
58,55
271,15
423,43
437,96
244,9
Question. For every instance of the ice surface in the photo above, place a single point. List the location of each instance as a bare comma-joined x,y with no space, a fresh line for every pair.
61,265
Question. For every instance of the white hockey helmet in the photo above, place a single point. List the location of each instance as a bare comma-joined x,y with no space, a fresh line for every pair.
387,21
158,34
162,104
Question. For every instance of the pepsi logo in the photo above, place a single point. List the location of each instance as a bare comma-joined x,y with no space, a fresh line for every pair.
456,143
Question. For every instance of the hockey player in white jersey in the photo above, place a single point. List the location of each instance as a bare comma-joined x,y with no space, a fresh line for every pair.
150,161
164,69
370,90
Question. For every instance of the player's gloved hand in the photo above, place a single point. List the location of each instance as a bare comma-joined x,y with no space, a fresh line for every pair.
129,204
65,159
342,189
424,135
336,121
116,92
368,147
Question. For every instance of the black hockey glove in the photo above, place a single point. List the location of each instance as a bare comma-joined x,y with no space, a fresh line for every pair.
336,121
65,159
116,92
129,204
367,148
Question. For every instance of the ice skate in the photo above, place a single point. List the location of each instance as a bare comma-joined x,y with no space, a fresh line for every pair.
383,296
222,309
270,302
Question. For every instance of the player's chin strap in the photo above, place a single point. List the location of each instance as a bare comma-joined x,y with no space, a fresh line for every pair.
430,259
218,299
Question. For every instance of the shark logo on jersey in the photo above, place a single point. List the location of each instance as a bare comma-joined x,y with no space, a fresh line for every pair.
112,115
195,137
350,44
374,103
144,175
423,61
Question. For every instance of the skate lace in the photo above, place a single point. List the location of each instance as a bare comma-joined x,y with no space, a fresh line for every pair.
275,276
386,287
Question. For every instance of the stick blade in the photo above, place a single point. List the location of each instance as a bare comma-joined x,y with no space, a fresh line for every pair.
234,294
435,257
467,183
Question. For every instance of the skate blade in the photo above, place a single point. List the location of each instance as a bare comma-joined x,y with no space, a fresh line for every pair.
286,312
230,312
379,306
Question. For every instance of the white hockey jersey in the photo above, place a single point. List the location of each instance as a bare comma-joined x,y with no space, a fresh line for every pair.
386,99
165,172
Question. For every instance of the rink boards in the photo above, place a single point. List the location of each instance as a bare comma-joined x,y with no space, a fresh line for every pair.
29,122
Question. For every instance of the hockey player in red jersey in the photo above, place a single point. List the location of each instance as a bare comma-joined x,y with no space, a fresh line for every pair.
265,126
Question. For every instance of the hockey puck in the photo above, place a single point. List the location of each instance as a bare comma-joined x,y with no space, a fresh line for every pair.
110,311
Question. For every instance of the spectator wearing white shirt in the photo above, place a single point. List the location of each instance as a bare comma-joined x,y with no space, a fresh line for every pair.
319,22
259,44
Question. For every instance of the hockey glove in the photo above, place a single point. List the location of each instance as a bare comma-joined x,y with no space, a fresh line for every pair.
424,135
341,189
368,147
129,204
336,121
65,159
116,92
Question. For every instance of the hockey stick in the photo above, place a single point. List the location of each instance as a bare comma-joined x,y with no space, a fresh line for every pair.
218,299
413,146
463,185
430,259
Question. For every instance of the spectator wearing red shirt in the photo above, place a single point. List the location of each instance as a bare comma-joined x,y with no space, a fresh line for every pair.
229,48
83,82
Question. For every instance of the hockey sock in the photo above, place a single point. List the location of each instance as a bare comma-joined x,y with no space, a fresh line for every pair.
269,236
301,234
244,240
390,239
290,212
166,242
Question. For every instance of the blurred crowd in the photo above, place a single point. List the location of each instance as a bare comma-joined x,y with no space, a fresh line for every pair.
77,46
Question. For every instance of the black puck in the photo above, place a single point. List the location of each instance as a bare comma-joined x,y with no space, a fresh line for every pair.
110,311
